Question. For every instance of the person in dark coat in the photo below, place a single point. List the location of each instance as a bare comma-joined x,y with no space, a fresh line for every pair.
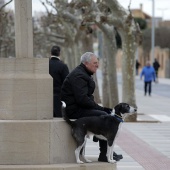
137,66
156,66
77,92
58,70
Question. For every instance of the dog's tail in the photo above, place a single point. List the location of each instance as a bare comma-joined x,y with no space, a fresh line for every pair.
65,117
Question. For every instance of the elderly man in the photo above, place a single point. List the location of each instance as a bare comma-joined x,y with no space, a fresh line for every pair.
77,93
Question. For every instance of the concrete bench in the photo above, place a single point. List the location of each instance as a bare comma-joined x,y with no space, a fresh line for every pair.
41,144
36,142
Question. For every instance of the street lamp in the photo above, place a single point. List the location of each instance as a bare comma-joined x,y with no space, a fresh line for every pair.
153,31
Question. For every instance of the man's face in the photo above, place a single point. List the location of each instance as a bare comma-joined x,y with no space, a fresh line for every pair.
93,64
148,64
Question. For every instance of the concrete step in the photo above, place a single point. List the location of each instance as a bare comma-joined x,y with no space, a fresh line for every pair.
85,166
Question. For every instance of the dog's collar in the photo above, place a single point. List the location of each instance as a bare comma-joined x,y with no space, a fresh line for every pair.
119,118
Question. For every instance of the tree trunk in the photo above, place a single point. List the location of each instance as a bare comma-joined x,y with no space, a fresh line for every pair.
109,73
105,94
87,46
110,51
128,72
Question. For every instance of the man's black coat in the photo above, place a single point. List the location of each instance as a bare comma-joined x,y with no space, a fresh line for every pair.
58,70
77,91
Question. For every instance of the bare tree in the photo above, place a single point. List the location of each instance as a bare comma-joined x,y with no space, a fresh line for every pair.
106,14
115,15
131,37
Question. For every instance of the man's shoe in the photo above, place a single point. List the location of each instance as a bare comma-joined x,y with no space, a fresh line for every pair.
102,158
117,157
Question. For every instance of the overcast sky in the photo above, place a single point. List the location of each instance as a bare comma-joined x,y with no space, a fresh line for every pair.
162,7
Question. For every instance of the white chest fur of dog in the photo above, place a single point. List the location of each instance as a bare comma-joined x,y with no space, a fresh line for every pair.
98,125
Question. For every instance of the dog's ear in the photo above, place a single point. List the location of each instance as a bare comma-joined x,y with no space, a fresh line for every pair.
117,108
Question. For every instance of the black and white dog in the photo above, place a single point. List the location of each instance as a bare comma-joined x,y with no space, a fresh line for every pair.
103,127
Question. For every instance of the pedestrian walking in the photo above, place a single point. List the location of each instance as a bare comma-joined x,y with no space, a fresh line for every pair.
149,75
137,66
156,66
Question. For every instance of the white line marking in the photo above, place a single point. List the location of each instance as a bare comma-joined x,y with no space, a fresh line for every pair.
162,118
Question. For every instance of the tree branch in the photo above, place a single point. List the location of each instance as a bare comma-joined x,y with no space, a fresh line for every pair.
3,6
43,3
116,8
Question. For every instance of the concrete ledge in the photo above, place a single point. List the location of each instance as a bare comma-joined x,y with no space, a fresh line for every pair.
37,142
87,166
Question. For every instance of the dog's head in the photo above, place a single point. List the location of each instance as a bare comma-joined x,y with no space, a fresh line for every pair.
124,109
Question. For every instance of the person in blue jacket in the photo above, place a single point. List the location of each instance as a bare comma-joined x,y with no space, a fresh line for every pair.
149,75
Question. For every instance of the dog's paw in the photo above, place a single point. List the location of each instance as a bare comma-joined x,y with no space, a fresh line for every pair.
80,162
111,161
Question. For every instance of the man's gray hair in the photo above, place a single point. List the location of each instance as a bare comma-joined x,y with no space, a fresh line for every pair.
86,57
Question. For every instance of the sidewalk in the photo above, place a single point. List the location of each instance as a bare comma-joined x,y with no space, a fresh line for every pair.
155,108
145,145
